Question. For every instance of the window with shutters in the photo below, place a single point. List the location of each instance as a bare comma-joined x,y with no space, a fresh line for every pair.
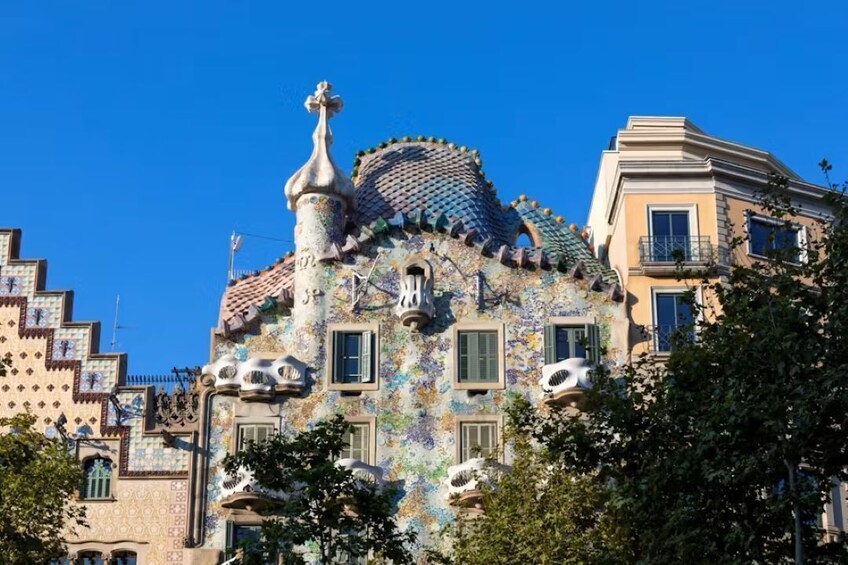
97,479
566,341
352,358
358,443
253,432
477,436
478,359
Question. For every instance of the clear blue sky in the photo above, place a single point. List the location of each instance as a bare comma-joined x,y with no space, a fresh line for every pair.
135,136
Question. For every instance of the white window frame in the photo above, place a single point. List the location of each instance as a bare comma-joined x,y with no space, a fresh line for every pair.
801,237
655,290
370,423
691,209
246,421
460,421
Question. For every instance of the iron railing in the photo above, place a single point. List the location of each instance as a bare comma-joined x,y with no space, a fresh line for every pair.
664,337
674,248
178,379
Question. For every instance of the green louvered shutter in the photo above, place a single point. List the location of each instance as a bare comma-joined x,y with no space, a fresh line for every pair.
469,357
550,344
488,344
338,354
365,357
593,343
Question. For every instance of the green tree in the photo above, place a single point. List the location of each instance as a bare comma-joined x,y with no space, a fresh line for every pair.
539,513
37,477
327,511
726,452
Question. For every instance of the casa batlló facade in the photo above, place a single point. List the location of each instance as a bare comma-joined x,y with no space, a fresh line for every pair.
406,306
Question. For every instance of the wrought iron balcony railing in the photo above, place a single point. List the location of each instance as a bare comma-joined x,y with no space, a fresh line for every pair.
664,338
673,248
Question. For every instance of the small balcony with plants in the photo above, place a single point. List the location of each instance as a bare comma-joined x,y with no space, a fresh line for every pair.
660,255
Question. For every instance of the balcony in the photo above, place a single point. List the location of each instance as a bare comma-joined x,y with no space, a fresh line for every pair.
660,255
565,382
240,490
662,339
466,480
363,472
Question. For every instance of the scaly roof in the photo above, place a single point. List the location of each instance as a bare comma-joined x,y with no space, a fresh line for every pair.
432,185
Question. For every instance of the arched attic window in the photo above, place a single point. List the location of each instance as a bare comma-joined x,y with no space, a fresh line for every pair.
97,479
524,237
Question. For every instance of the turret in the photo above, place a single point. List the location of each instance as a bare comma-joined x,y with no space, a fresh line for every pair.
321,196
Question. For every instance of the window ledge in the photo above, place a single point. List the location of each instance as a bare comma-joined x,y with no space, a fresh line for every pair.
471,387
353,387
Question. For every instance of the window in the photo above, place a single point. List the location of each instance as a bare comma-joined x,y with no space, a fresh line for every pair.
254,432
478,356
90,558
353,357
477,439
97,479
358,443
124,558
673,317
670,236
768,236
239,534
567,341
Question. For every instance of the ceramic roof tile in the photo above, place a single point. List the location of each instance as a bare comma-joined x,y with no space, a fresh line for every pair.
431,176
251,291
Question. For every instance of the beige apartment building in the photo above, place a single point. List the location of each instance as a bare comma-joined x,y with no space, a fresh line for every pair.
665,189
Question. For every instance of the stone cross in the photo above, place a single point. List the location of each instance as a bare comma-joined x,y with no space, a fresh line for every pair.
322,101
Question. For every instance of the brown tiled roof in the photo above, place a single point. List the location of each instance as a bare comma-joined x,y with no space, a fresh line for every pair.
245,298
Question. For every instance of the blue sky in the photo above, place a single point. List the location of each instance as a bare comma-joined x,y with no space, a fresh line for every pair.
135,136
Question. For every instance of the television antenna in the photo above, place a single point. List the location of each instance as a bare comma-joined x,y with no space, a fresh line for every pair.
115,326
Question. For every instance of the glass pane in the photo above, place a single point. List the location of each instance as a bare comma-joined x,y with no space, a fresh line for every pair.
350,370
579,343
679,224
660,224
351,345
563,343
245,534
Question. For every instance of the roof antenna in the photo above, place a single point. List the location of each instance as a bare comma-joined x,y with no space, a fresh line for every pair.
235,245
115,325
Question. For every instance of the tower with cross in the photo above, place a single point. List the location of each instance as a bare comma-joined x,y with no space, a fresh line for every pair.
321,196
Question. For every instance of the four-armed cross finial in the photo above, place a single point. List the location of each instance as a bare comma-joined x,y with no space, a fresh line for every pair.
322,100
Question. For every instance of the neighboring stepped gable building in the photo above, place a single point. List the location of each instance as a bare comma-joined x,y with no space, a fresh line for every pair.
136,487
408,305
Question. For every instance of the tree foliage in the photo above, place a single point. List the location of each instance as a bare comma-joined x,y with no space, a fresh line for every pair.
725,451
326,511
37,477
538,513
